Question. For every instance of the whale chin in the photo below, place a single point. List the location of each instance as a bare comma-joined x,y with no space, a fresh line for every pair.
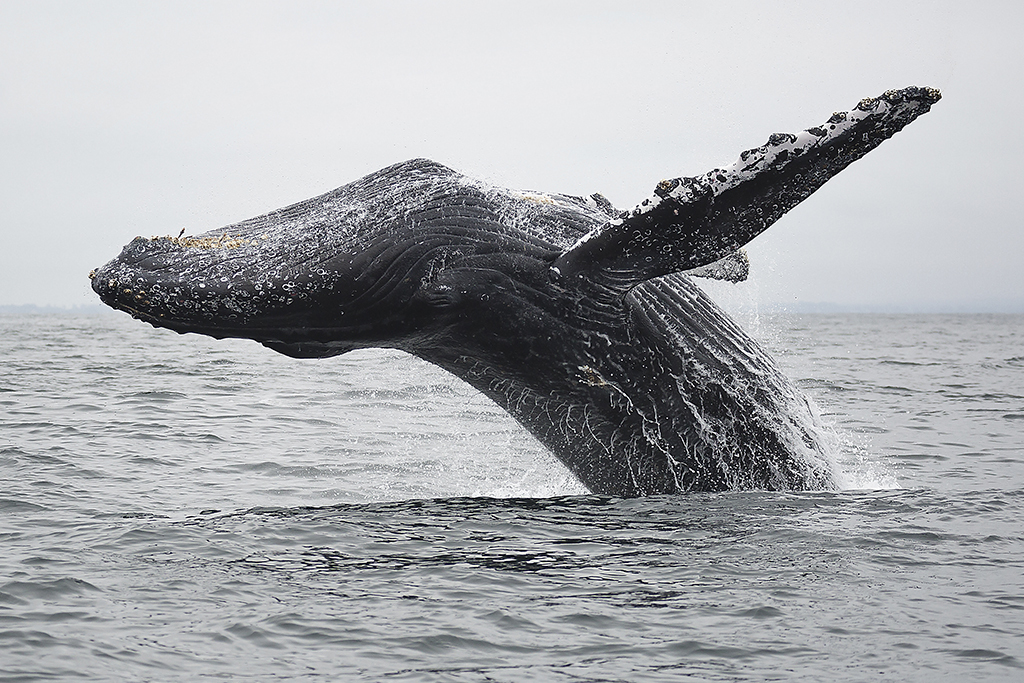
310,349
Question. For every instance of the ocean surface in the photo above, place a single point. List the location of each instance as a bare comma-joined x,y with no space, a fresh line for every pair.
174,508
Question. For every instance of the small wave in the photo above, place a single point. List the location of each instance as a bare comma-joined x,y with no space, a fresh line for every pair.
812,383
148,396
894,389
13,505
86,407
48,590
909,363
761,612
993,656
988,397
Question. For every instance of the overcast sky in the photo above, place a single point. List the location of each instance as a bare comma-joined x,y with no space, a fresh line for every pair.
127,118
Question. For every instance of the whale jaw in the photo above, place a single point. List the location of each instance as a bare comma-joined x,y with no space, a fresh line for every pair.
194,286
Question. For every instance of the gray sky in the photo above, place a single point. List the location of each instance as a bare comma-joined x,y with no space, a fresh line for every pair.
127,118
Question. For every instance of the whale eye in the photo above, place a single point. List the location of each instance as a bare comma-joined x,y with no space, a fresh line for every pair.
439,295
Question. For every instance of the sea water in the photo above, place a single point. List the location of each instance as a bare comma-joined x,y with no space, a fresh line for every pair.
173,508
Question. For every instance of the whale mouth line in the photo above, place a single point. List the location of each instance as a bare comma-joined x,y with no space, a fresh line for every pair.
276,338
181,327
159,320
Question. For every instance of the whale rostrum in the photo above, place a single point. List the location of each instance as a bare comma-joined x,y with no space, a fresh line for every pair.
580,320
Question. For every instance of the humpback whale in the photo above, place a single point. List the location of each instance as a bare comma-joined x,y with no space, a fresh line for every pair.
580,320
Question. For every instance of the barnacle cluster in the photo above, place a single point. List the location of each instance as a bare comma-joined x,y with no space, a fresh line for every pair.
223,241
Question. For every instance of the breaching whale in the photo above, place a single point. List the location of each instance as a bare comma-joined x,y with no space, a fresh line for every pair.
580,320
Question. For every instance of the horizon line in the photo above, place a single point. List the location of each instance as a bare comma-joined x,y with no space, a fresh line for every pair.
771,307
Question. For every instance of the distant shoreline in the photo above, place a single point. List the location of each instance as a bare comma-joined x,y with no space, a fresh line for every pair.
798,308
814,307
33,309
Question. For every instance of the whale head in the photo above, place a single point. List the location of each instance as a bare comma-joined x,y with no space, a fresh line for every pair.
391,260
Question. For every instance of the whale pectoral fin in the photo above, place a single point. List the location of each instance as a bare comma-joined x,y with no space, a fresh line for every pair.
732,268
693,222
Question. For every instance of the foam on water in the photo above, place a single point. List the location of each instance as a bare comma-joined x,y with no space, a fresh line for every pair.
855,463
